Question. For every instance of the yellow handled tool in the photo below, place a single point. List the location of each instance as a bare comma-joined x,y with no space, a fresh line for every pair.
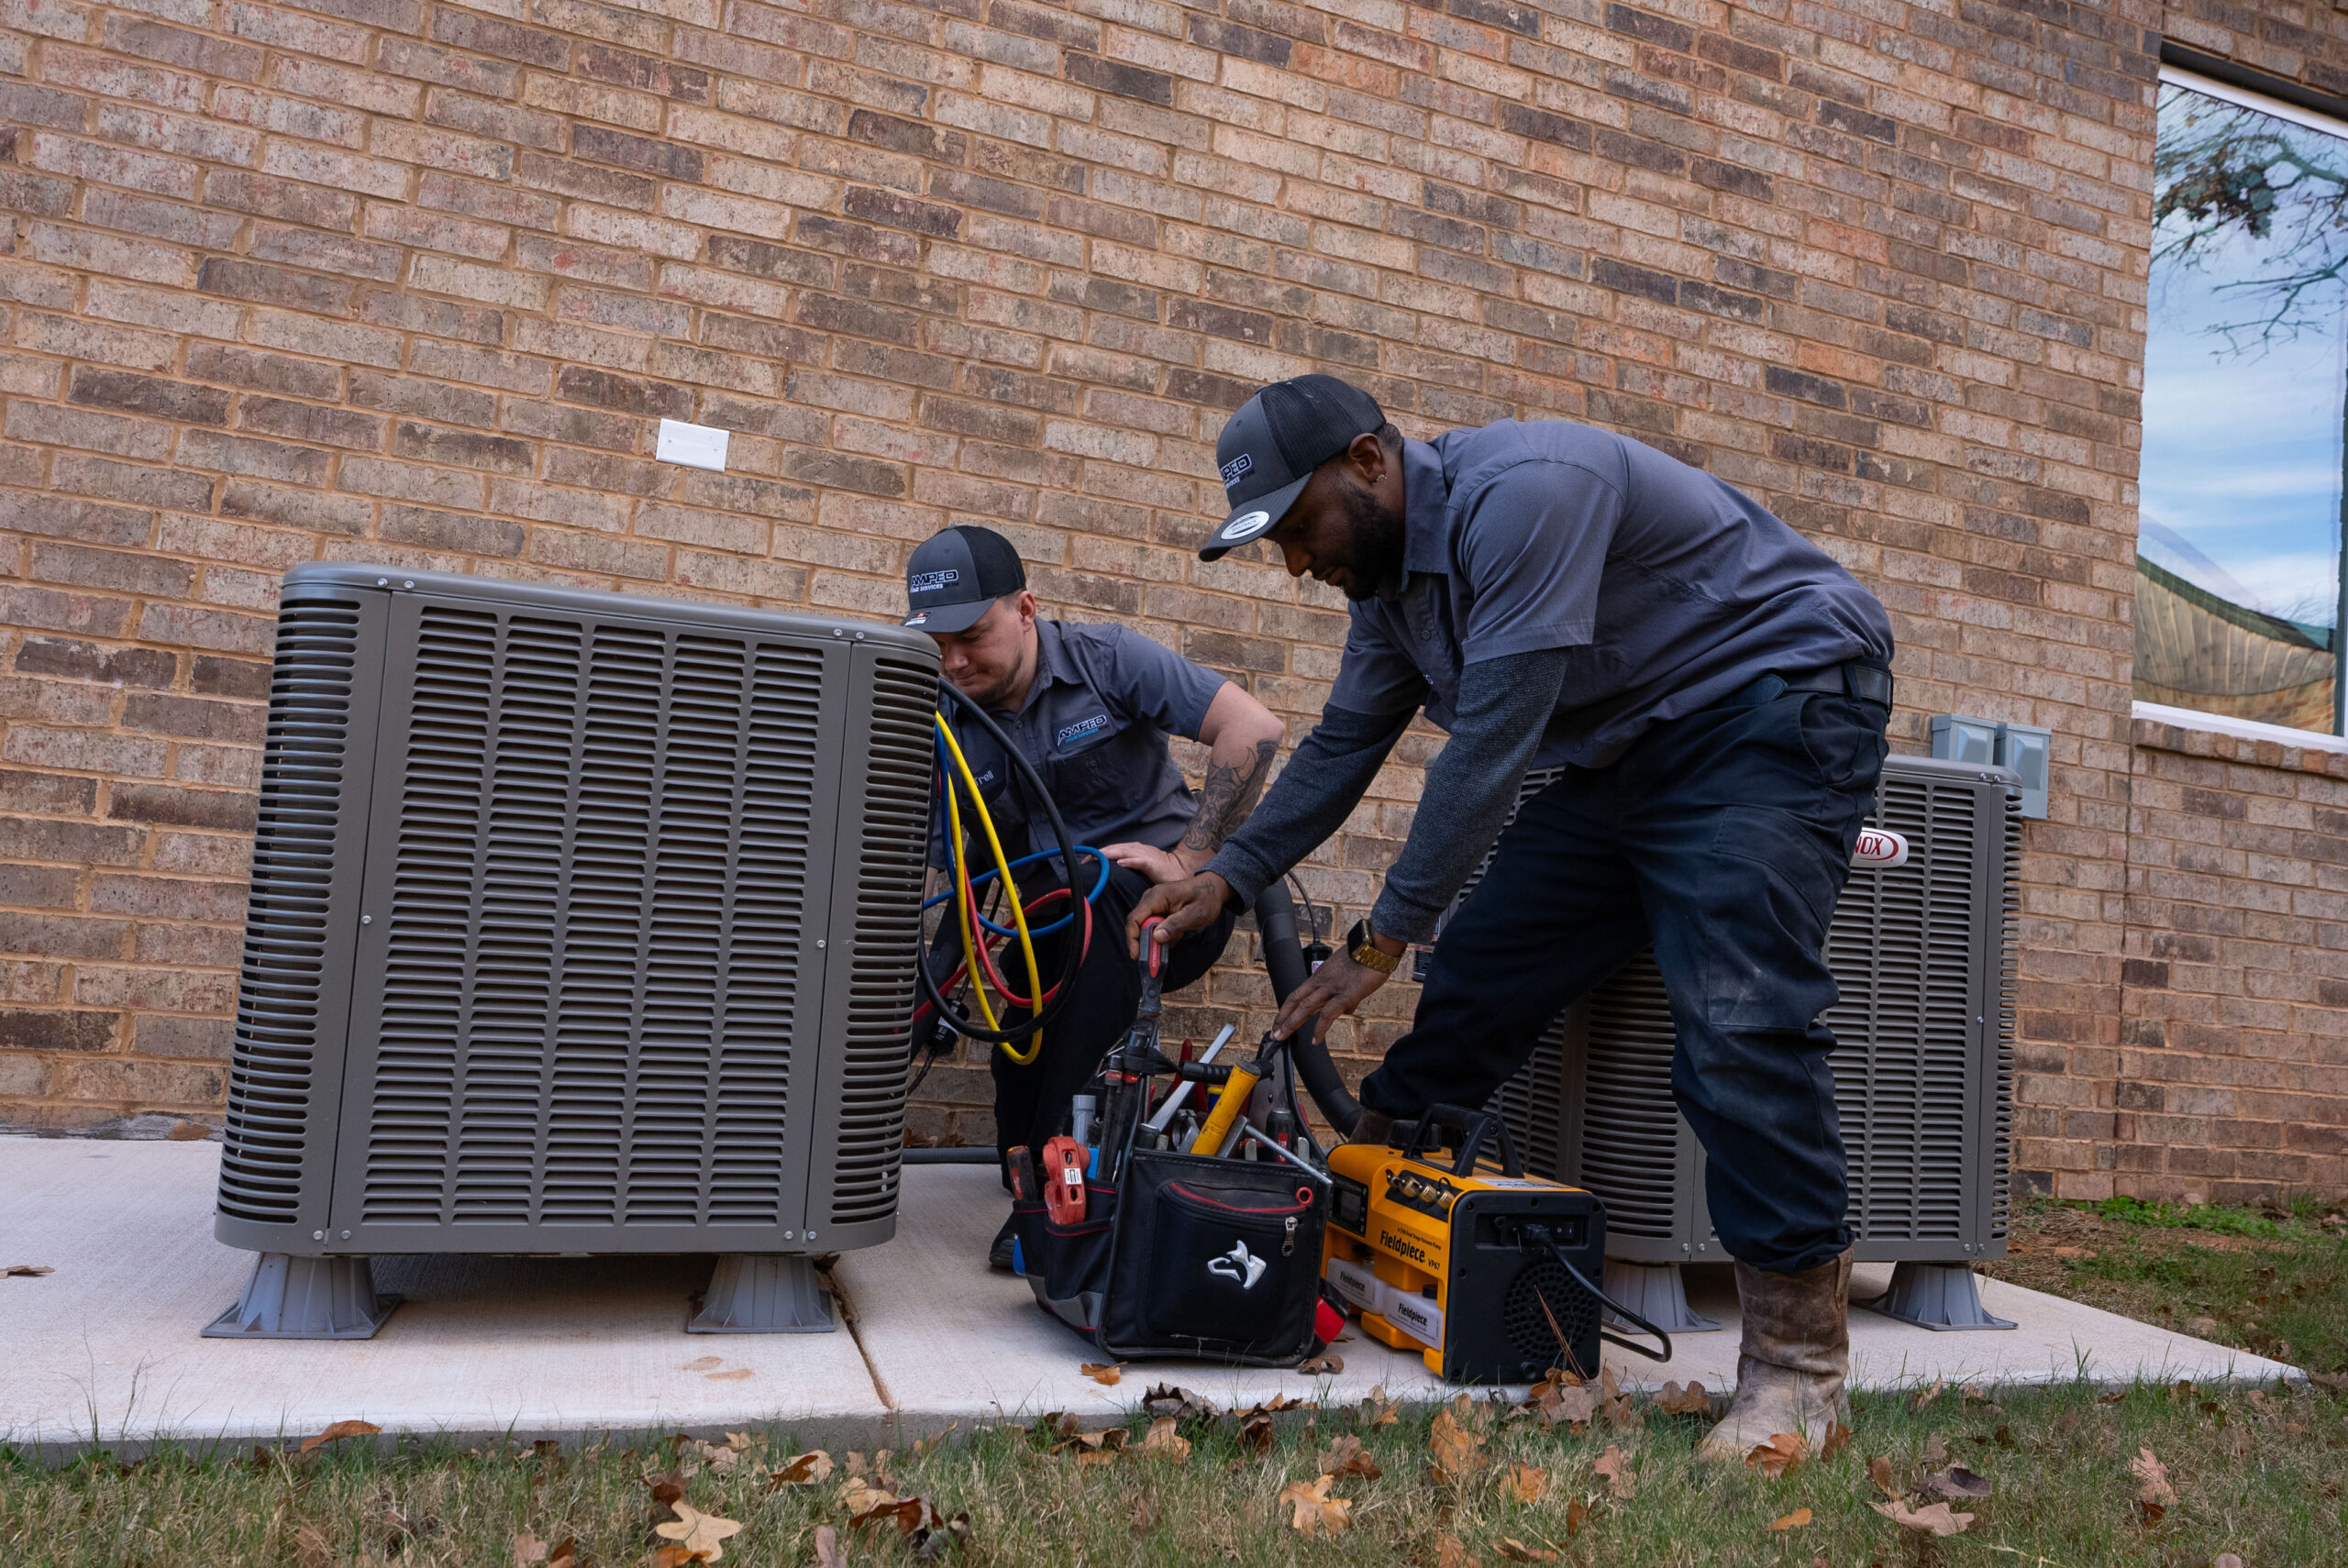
1232,1103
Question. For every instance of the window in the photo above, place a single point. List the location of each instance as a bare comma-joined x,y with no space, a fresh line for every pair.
2238,563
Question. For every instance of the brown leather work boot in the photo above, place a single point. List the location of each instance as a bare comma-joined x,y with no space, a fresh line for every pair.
1795,1360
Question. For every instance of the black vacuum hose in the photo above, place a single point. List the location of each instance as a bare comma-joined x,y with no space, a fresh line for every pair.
1284,961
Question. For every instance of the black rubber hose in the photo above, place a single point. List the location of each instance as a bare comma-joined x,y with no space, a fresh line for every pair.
1073,947
1284,961
915,1155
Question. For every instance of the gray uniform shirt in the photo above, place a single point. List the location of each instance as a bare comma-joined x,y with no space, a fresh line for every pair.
1669,589
1094,725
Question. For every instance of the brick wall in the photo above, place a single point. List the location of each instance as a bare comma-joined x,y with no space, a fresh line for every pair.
2231,1078
408,281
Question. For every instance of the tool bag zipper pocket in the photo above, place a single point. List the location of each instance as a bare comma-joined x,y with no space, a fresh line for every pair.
1221,1264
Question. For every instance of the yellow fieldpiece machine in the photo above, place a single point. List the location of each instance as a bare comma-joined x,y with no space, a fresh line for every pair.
1485,1270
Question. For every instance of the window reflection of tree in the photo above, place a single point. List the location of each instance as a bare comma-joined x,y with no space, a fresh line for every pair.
2226,176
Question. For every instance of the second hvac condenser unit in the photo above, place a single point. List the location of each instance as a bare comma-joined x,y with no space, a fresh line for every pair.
579,923
1923,956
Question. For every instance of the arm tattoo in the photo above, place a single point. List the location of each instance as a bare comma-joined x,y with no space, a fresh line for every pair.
1230,794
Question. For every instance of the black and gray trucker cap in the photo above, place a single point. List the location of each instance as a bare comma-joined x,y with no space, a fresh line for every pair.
955,577
1272,445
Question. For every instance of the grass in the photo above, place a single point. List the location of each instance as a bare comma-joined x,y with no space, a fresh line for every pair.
2272,1283
2257,1472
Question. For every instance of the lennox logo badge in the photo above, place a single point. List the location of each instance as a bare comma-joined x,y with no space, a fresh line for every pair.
1082,728
1234,468
1879,849
931,581
1238,1264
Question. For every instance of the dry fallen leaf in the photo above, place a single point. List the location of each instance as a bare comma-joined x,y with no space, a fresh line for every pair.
697,1534
704,1364
735,1376
566,1554
858,1496
1377,1411
1879,1472
1782,1454
1794,1520
1169,1399
803,1470
667,1489
1838,1438
1957,1482
1453,1448
1515,1550
1345,1457
1255,1433
1106,1377
310,1543
25,1271
1935,1450
1926,1396
529,1550
1577,1514
1615,1466
2156,1492
1934,1519
827,1548
1691,1400
1165,1441
340,1430
1313,1509
1525,1484
1450,1551
1323,1366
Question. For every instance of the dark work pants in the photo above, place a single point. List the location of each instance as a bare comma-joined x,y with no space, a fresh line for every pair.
1724,837
1031,1102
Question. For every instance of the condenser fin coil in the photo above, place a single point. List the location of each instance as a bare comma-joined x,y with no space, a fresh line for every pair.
580,922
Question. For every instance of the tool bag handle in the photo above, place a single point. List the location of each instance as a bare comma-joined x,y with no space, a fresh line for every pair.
1471,1126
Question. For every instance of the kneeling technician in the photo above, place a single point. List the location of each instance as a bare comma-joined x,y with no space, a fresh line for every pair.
1716,689
1090,708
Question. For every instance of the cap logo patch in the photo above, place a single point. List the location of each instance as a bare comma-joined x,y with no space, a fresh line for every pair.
919,618
1237,467
1247,526
931,581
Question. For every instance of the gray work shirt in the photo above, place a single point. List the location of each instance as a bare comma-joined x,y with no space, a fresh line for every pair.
1671,589
1094,725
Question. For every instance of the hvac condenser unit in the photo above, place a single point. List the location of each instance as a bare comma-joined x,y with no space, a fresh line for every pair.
1923,956
579,923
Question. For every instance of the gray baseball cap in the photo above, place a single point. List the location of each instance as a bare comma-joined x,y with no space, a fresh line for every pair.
1273,443
956,575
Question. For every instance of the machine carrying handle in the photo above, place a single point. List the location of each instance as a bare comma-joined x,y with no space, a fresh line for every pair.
1471,1126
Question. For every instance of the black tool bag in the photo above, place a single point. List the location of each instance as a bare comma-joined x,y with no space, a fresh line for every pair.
1186,1256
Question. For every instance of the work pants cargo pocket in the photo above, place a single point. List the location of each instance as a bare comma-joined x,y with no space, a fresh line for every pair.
1215,1258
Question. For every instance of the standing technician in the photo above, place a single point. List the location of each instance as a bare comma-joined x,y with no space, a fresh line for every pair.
1717,688
1090,708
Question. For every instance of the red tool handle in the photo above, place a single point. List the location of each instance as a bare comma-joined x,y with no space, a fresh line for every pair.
1063,1180
1151,954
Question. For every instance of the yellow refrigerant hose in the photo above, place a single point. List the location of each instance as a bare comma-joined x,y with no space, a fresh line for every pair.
1009,889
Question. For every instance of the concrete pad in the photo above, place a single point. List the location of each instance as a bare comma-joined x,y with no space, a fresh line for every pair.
952,1342
108,1345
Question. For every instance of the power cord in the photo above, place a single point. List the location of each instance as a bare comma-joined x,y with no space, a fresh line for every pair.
1541,1235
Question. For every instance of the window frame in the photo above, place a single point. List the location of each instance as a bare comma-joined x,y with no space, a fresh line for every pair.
2326,125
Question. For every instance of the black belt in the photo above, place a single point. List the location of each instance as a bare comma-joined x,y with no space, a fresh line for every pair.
1868,682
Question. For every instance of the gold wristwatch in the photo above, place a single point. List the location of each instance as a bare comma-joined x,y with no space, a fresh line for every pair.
1362,950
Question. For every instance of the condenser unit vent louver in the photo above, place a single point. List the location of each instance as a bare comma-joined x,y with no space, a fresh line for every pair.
1923,956
579,923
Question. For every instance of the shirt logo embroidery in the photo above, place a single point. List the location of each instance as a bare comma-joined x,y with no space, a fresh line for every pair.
930,581
1245,526
1082,728
1234,468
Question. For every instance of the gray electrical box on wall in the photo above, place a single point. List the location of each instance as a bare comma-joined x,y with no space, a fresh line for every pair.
2021,747
580,923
